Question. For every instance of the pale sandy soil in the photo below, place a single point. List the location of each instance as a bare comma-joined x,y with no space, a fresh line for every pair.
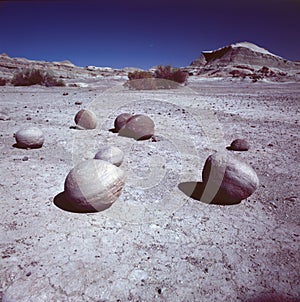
155,243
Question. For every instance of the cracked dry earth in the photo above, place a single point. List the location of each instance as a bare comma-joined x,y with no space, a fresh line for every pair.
155,243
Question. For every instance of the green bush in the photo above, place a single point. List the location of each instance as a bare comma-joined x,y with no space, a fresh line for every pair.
30,77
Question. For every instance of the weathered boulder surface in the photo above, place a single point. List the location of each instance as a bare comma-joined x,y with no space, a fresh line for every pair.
239,145
112,154
93,185
139,127
121,121
85,119
29,138
229,178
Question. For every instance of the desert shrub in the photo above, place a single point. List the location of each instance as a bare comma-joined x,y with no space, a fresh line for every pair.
255,77
30,77
3,82
238,74
170,73
164,77
137,75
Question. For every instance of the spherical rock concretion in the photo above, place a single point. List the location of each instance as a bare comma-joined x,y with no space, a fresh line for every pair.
139,127
121,120
94,185
112,154
239,145
29,138
85,119
229,177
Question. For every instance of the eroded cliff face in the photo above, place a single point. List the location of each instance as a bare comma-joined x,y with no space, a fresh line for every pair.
245,60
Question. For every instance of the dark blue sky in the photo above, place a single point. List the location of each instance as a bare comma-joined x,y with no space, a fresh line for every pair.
144,33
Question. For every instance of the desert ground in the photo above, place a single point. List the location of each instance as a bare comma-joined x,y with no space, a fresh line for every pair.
155,243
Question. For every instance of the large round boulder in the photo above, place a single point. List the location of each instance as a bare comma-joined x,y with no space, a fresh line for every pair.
85,119
29,138
93,185
228,179
139,127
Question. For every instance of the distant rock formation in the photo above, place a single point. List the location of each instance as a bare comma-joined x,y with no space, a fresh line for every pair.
65,70
244,60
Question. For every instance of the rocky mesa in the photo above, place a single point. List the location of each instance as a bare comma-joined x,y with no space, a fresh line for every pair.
245,60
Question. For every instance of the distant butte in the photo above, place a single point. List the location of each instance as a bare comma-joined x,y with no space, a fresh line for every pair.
244,60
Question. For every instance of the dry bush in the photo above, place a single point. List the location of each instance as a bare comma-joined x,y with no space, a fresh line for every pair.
164,77
30,77
3,81
172,74
137,75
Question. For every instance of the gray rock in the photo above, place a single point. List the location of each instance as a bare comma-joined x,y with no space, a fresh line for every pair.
228,179
29,138
121,120
239,145
139,127
112,154
94,185
85,119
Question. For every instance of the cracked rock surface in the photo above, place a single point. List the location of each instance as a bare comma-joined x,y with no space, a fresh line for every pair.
155,243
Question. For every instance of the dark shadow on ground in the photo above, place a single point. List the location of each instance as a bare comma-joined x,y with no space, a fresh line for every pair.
270,298
61,202
25,148
195,190
113,130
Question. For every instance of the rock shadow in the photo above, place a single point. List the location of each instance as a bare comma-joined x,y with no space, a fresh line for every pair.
113,130
196,189
63,203
18,146
230,148
271,298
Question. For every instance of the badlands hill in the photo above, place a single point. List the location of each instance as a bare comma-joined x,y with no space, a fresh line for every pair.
245,60
65,70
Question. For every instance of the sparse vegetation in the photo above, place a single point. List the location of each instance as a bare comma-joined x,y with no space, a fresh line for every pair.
3,81
137,75
170,73
164,77
30,77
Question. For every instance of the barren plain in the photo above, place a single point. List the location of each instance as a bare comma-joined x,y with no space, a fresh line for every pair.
155,243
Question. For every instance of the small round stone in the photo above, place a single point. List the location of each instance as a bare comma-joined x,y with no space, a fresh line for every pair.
121,120
112,154
85,119
29,138
239,145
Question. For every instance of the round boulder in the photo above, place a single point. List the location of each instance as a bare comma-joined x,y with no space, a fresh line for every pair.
112,154
239,145
139,127
94,185
121,120
85,119
227,179
29,138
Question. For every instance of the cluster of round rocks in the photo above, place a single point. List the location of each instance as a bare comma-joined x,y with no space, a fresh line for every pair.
95,184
